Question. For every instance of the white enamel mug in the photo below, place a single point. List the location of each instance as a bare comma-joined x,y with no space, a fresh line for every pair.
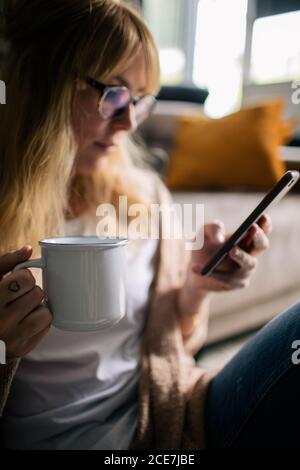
84,279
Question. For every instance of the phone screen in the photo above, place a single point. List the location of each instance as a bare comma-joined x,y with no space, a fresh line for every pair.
272,197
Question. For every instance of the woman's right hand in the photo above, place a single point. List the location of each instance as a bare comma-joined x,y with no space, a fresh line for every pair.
23,321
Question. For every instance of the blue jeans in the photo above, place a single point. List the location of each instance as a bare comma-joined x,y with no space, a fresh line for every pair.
254,402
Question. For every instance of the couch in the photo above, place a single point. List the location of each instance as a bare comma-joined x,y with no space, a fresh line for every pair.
276,283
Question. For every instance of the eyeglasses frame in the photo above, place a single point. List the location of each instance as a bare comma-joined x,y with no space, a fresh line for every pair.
105,88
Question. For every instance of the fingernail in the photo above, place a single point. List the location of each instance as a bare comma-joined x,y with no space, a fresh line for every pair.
15,252
233,251
220,236
23,250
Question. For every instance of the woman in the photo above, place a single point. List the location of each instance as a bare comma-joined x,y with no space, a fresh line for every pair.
81,75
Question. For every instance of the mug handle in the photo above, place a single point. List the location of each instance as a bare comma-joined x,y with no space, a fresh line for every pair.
34,263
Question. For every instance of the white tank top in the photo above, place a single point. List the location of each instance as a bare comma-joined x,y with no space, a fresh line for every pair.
79,390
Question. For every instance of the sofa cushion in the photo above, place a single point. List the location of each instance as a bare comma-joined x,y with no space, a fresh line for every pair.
158,130
238,151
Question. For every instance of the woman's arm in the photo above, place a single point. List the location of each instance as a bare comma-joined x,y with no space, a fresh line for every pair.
194,313
194,308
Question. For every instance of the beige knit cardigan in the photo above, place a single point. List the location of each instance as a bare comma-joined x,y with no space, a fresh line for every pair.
172,389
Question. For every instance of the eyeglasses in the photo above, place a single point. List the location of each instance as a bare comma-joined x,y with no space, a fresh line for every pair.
114,100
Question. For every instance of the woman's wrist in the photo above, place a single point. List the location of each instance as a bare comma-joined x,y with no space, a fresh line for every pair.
193,305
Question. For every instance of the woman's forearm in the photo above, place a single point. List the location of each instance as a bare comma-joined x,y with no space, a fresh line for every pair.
194,308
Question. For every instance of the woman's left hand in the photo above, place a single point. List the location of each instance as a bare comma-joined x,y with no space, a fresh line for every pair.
234,272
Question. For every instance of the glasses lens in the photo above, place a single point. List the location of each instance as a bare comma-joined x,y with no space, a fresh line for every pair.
114,101
144,107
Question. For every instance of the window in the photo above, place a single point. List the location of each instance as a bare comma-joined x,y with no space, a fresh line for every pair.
229,47
219,49
275,53
201,42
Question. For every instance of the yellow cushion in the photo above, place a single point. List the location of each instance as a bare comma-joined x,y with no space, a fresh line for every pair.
237,151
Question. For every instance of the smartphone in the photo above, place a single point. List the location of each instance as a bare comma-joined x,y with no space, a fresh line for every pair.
273,196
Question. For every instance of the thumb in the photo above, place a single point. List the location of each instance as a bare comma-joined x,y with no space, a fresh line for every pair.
214,232
11,259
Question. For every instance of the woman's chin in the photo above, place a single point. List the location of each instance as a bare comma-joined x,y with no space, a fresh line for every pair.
90,167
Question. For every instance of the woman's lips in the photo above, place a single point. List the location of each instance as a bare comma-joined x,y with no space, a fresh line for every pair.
107,146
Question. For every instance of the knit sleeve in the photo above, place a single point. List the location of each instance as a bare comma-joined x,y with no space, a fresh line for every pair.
180,261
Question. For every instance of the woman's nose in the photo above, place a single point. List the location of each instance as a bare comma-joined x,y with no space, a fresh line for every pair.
127,120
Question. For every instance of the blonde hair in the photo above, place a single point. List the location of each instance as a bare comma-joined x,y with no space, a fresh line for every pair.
49,43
